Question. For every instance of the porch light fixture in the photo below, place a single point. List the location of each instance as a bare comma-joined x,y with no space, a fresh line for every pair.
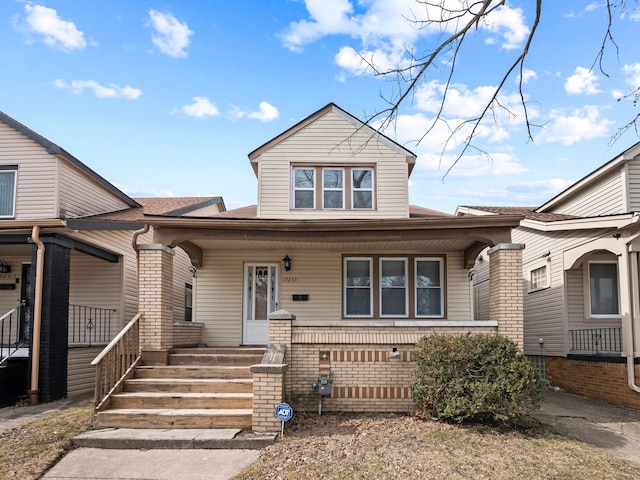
287,263
4,267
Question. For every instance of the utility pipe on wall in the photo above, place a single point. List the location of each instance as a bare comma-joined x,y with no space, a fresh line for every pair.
34,392
632,259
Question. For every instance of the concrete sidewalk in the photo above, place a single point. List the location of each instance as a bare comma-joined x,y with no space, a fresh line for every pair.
215,454
615,429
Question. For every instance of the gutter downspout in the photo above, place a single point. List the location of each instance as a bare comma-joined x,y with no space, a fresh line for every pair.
34,393
629,319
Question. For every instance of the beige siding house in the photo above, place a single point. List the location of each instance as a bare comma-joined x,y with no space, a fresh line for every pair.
335,267
580,281
57,211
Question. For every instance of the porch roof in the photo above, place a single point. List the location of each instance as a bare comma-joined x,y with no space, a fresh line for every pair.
426,232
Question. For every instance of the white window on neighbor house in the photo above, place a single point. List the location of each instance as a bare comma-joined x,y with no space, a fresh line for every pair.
604,300
333,188
188,302
8,182
362,188
429,290
358,298
393,287
304,188
539,276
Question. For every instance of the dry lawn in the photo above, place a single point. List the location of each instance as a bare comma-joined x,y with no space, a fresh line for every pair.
28,451
386,446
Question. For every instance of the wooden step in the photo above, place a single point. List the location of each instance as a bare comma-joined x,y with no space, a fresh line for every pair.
193,371
225,359
154,400
174,418
189,385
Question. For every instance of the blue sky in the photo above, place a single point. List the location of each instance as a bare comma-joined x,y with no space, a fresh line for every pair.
168,98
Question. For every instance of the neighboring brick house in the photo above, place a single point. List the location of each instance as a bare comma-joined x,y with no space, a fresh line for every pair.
334,264
55,208
580,282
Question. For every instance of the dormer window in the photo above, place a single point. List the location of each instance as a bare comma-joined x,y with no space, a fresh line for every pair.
362,188
304,188
8,192
333,188
340,188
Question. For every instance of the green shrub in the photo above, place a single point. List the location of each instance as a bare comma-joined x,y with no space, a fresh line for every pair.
473,377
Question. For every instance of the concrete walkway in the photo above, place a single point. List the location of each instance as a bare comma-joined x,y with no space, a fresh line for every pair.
211,454
615,429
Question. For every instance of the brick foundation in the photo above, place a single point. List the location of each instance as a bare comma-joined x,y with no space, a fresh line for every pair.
605,381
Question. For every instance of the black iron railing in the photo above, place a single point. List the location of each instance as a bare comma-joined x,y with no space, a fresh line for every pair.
596,340
10,334
90,325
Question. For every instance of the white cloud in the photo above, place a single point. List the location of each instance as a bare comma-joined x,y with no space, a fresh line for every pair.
527,75
266,112
632,72
171,37
111,91
387,24
145,192
583,81
360,62
55,32
201,108
580,124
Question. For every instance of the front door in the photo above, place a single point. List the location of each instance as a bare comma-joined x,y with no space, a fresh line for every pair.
260,298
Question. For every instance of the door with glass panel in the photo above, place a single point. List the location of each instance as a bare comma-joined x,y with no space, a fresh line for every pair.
260,298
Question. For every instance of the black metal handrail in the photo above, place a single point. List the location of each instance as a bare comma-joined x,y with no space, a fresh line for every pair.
596,340
90,325
10,334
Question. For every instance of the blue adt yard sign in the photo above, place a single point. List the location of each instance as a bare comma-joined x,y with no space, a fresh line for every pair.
284,412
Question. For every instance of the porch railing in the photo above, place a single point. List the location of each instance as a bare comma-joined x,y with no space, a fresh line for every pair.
90,325
10,336
116,362
596,341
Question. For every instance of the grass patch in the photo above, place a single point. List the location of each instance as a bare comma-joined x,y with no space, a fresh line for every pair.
339,446
28,451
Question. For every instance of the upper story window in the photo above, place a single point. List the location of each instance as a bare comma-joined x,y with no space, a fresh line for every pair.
603,289
333,188
304,188
8,177
362,188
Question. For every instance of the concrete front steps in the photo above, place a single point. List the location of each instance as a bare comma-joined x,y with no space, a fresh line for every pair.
201,388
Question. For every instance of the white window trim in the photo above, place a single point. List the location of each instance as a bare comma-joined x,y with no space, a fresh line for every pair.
588,290
406,286
294,189
354,189
14,171
334,189
440,261
545,262
345,287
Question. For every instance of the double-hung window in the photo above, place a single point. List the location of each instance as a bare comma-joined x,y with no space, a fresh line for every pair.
358,298
393,287
429,292
304,188
603,289
8,177
362,188
333,188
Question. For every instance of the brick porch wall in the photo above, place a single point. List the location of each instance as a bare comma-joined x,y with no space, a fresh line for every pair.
187,334
366,376
603,381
